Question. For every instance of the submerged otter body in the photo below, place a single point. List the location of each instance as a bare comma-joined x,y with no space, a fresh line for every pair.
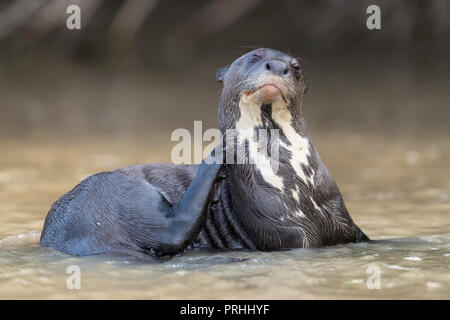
282,199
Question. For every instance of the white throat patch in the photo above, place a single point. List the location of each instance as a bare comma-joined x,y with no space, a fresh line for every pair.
251,118
298,145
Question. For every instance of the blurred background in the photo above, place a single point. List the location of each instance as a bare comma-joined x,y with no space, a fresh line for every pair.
76,102
141,67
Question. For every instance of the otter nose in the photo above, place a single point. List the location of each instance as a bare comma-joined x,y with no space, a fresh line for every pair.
277,67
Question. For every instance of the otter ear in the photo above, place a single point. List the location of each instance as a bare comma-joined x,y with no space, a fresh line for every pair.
220,74
305,88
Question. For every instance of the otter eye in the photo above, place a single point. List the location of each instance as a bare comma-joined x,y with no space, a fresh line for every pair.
255,58
296,69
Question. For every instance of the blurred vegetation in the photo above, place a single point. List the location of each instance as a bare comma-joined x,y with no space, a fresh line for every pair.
172,33
145,67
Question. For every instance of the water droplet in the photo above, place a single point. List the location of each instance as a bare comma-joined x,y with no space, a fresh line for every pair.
433,285
414,258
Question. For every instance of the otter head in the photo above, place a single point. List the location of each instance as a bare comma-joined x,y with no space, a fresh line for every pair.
261,78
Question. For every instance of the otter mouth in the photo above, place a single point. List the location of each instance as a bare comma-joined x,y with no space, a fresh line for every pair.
266,93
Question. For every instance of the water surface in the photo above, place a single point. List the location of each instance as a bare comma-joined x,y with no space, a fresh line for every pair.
397,190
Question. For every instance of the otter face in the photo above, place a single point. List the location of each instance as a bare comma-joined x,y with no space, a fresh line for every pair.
263,76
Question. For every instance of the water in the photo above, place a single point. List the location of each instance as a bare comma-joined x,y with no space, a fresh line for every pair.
397,190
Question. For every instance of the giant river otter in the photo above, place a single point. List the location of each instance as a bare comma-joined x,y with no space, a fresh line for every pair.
158,210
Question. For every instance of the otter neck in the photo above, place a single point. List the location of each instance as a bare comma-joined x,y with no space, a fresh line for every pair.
294,144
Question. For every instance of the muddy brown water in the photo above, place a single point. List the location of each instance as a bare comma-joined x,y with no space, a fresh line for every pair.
395,189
